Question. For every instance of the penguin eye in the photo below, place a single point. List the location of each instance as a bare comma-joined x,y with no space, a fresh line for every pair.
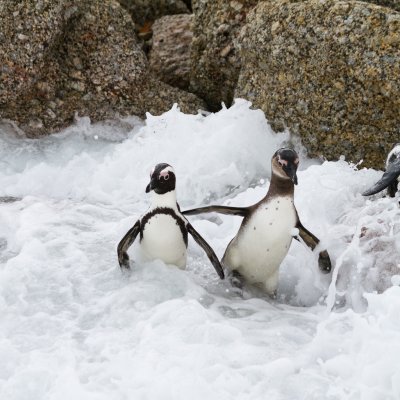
164,175
282,162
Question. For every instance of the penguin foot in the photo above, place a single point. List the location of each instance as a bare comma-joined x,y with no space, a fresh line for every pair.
324,262
273,295
237,280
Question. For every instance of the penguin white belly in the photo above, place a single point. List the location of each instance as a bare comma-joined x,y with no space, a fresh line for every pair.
163,239
260,246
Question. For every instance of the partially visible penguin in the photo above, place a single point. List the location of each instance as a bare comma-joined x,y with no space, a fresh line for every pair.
390,178
263,240
163,230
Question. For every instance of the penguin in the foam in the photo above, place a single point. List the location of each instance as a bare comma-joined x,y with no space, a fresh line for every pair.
256,252
390,178
163,230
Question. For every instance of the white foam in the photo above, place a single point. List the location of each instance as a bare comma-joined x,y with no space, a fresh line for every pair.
73,326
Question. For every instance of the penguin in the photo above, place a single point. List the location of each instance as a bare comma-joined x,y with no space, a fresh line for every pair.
254,255
390,178
163,230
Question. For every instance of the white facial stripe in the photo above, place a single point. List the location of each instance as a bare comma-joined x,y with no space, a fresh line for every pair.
165,173
166,170
394,151
282,162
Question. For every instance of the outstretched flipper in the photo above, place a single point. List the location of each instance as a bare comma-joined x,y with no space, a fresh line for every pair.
389,179
207,248
324,262
125,243
241,211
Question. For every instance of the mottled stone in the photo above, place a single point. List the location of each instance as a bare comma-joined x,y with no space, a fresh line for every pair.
93,66
27,30
329,70
215,63
143,11
169,57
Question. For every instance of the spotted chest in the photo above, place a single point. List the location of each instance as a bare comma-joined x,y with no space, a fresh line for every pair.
263,240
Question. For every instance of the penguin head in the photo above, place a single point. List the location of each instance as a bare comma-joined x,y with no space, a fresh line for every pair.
284,164
162,179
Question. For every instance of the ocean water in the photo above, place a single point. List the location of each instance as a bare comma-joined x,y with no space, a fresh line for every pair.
73,325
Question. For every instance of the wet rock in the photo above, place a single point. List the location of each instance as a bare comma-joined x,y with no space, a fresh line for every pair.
93,65
329,71
143,11
215,63
27,29
169,57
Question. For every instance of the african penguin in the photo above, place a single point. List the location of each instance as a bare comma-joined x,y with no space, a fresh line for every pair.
263,240
163,229
391,176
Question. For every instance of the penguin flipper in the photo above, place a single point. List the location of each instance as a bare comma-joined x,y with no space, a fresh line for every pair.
207,248
388,180
227,210
392,188
324,261
125,243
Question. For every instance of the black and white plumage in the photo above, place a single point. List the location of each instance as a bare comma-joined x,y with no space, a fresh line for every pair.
390,178
163,230
266,232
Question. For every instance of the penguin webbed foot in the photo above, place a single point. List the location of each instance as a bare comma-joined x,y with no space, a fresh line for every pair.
273,295
392,189
236,279
324,262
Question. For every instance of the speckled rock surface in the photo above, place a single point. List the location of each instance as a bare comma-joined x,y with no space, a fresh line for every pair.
214,60
169,57
27,29
329,70
143,11
91,65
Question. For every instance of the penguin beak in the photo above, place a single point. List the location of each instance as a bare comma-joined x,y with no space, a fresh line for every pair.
291,172
150,186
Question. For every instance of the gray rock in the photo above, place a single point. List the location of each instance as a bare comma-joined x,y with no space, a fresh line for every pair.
329,70
93,65
143,11
169,57
27,29
215,63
